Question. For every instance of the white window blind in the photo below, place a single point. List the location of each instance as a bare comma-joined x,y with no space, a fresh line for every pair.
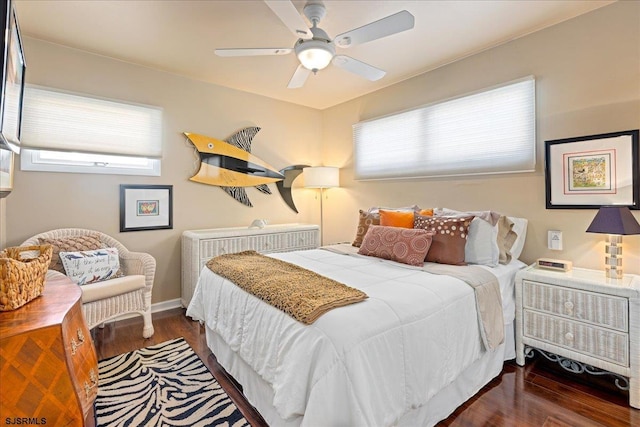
60,121
488,132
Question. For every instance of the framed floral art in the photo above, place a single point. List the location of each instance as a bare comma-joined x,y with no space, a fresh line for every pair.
588,172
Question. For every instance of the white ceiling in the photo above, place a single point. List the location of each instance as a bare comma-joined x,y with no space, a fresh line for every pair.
180,37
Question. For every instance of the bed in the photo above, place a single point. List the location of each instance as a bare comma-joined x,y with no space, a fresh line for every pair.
409,354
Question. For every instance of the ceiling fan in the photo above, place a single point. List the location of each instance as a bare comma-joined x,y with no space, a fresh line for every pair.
316,50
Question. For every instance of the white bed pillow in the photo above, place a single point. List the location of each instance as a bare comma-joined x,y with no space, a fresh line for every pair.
376,209
482,241
519,227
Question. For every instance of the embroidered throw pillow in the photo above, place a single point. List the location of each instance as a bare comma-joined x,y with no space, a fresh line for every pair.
405,245
449,239
70,244
365,220
86,267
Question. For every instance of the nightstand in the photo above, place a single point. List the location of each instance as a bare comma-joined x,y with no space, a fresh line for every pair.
582,320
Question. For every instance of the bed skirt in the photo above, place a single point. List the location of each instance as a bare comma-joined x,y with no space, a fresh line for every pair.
260,395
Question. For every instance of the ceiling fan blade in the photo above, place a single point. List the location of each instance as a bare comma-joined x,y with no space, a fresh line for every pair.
253,52
358,67
299,77
392,24
289,15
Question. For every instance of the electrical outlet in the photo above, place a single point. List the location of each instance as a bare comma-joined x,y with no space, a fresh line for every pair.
554,240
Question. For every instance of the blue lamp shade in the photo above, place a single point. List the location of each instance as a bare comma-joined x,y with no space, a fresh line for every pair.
614,220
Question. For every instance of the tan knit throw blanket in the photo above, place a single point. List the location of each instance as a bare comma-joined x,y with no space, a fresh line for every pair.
301,293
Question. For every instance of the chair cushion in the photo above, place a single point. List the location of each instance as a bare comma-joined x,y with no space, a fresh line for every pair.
112,287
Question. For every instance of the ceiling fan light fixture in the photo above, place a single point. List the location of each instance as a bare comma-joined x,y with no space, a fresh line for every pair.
315,55
316,50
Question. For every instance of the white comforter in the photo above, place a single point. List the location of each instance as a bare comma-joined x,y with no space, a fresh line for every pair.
365,364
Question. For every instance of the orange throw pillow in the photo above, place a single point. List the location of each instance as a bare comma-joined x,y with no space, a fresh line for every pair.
396,218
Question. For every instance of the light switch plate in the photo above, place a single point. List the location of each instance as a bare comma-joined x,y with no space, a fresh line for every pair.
554,240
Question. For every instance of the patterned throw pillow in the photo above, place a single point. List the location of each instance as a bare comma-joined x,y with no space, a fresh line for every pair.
449,239
405,245
365,220
70,244
87,267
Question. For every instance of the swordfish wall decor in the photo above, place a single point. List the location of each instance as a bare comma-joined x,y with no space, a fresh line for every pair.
230,165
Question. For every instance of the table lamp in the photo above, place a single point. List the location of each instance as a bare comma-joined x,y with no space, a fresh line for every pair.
321,177
615,221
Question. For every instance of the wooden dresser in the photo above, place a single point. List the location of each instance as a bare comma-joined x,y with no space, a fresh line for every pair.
48,364
199,246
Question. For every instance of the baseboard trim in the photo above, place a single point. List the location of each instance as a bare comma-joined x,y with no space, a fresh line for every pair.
166,305
155,308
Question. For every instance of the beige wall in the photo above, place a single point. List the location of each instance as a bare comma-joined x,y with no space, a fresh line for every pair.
42,201
587,82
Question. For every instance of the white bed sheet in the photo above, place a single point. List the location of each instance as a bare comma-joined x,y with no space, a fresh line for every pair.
371,363
260,394
506,275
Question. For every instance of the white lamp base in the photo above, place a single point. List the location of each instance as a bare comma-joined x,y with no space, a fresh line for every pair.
613,260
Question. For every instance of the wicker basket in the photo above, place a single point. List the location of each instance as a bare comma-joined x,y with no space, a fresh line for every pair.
22,280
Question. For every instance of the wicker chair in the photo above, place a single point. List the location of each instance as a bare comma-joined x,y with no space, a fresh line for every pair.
109,299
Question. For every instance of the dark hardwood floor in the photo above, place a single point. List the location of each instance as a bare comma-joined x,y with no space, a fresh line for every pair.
537,395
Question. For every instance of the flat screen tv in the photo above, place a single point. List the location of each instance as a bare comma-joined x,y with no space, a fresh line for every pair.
13,68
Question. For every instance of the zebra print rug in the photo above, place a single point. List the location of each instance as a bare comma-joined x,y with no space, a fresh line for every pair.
165,384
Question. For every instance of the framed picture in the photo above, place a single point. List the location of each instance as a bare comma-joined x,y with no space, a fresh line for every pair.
587,172
146,207
6,172
13,69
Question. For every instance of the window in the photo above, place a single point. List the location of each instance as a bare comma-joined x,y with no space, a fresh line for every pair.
62,161
487,132
64,132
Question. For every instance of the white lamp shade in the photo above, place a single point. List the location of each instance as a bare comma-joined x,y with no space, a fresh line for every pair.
321,177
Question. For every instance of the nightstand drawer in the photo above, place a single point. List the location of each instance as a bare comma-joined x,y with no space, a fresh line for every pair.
597,309
210,248
588,340
302,240
265,243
